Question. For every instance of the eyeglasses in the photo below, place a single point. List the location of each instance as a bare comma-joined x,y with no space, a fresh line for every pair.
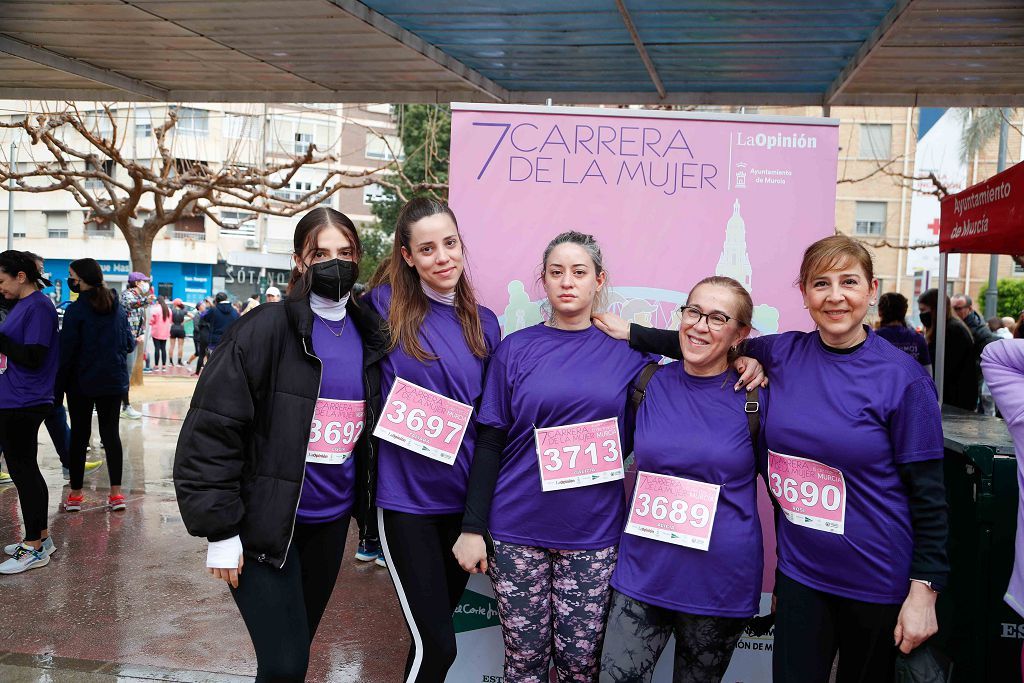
692,316
960,307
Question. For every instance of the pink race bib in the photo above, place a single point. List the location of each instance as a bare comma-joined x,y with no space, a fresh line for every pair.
579,454
336,428
811,494
673,510
423,421
3,363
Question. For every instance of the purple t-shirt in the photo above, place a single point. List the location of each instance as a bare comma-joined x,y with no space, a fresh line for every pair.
862,413
908,341
545,377
328,492
32,321
406,481
696,428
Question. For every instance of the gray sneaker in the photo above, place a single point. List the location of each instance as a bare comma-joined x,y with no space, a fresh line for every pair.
130,413
48,547
24,558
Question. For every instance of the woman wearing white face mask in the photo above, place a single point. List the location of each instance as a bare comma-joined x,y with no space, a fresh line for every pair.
134,300
274,456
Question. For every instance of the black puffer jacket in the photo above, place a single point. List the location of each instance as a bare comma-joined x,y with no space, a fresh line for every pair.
241,455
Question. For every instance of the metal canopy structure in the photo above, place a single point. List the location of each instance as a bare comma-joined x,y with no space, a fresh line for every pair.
724,52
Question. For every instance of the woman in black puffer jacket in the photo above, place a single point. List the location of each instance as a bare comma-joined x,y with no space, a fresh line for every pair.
95,341
274,456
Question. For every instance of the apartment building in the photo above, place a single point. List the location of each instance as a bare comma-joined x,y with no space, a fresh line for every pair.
193,258
196,257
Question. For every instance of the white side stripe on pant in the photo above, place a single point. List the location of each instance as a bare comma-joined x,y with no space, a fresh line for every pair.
417,641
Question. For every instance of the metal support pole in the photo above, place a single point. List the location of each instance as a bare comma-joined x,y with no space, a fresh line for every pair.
10,198
992,294
940,327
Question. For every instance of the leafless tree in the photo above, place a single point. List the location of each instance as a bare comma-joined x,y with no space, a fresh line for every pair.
142,197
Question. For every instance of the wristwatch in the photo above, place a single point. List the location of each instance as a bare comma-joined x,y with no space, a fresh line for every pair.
932,586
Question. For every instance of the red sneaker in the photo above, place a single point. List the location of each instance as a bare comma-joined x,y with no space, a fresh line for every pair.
73,503
116,503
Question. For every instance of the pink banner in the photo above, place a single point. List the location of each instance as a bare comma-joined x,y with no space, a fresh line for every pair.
671,196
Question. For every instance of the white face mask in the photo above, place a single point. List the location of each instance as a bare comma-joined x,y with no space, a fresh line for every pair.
144,287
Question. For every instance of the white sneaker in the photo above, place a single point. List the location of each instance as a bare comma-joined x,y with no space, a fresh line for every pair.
130,413
48,547
25,558
5,479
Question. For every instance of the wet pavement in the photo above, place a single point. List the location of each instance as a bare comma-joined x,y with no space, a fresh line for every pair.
125,596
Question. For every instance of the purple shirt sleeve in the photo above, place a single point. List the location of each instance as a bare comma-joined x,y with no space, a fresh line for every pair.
922,351
38,330
916,424
496,401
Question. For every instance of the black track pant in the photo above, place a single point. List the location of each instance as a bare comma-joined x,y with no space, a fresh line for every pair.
19,429
201,351
282,607
810,626
108,413
429,582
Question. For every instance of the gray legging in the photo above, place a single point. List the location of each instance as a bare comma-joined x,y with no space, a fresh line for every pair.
638,632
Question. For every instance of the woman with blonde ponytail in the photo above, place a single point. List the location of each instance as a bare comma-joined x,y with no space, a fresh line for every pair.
440,340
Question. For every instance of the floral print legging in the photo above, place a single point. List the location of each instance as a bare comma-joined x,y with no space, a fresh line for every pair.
552,597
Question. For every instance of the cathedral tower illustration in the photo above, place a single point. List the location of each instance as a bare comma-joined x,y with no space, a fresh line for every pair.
734,261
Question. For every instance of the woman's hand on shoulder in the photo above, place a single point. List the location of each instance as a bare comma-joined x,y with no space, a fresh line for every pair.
751,373
470,551
614,326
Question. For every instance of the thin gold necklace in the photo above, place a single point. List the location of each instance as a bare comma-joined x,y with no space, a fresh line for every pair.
338,333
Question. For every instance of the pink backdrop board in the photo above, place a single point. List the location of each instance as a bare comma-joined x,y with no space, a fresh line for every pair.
672,197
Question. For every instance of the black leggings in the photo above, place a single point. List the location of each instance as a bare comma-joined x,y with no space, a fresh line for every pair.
810,626
159,350
108,412
19,429
429,582
282,607
201,350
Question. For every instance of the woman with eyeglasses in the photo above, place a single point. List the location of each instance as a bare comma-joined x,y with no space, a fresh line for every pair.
545,484
690,560
854,462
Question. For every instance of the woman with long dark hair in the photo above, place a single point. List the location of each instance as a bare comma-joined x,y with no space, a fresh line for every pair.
440,341
892,327
160,330
274,456
28,370
95,341
961,377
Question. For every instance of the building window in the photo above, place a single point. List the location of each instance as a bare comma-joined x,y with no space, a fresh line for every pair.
238,223
193,121
189,228
875,141
98,228
869,219
372,194
1018,269
143,123
106,166
386,147
56,224
240,126
302,142
293,191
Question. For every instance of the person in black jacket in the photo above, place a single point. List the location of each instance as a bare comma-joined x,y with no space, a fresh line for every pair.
95,341
220,316
274,456
961,371
200,335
